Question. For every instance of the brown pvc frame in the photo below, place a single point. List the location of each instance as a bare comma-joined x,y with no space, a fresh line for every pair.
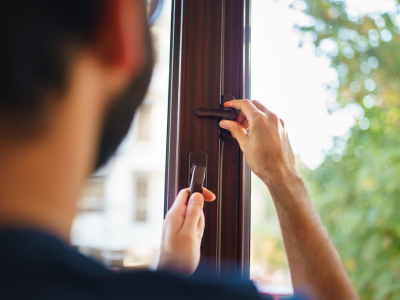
210,58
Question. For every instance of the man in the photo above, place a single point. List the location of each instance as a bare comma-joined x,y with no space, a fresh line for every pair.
73,74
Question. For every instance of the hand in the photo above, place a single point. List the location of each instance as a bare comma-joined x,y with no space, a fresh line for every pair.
183,230
266,146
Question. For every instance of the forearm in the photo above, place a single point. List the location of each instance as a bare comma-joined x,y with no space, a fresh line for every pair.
314,262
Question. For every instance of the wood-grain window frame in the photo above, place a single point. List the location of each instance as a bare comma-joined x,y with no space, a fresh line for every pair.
210,58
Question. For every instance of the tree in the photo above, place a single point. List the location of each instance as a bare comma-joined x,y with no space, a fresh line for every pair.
356,189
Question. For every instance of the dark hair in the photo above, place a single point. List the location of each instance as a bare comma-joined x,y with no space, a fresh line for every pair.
37,39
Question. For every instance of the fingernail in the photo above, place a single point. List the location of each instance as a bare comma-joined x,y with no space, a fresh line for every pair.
197,198
222,124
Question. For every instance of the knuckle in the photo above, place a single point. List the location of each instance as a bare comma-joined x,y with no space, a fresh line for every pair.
247,103
258,117
273,117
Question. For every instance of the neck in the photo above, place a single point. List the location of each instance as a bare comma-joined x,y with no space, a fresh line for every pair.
41,179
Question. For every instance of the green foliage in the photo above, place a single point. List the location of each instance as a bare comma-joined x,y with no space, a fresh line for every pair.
357,188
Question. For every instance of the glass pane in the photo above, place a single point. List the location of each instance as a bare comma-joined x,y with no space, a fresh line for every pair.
121,210
330,70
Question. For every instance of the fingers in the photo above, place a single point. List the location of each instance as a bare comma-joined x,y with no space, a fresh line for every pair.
246,107
283,123
208,195
245,124
249,110
194,212
180,201
236,129
183,195
259,106
200,227
176,214
241,117
266,111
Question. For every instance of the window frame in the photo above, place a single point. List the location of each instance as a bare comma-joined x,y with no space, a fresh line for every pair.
210,58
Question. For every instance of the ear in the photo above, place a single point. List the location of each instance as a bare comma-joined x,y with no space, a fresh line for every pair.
120,42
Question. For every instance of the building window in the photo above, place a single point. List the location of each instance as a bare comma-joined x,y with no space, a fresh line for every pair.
144,121
141,197
93,195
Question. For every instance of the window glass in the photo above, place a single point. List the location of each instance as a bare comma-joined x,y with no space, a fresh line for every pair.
121,209
330,70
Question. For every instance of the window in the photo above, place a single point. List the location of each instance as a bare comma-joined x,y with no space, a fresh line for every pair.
330,70
144,122
210,64
93,195
141,194
120,214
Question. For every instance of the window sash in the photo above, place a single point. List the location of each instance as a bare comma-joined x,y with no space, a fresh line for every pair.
209,59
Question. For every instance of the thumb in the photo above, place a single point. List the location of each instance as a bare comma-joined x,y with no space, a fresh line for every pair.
193,213
236,129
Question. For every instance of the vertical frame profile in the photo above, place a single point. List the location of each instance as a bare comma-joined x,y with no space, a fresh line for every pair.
210,59
236,174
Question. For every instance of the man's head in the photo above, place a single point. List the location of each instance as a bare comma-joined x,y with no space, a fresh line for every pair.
41,40
72,74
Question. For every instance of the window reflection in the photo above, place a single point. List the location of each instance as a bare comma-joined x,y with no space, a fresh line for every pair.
121,209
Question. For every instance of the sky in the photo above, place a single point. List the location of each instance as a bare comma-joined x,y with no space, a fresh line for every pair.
291,81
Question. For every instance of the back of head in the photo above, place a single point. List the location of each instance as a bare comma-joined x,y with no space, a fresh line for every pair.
38,39
73,73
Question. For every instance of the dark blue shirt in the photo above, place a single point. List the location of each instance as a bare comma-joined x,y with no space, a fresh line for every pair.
37,265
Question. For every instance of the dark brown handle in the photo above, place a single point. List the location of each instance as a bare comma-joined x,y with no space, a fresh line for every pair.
228,113
197,182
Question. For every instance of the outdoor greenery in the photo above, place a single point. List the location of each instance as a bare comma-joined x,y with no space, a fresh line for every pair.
357,188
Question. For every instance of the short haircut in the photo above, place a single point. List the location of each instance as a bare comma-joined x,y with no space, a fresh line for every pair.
38,37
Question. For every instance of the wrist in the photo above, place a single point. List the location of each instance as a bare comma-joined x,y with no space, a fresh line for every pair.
172,264
287,187
280,177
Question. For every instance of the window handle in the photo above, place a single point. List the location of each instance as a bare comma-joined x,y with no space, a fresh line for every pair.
228,113
197,173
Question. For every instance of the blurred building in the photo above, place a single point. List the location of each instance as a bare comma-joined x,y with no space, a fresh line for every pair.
121,210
